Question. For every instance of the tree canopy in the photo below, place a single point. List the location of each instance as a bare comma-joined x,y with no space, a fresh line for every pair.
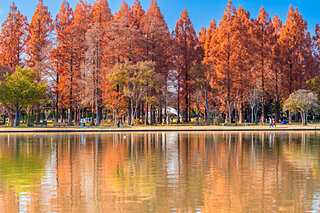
302,101
239,69
19,90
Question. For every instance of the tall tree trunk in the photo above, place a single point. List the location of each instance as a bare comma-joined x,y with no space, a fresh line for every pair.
147,114
97,112
252,113
198,112
186,110
207,112
61,114
178,119
11,119
151,114
142,113
70,122
160,116
296,117
165,115
57,99
77,115
139,111
262,109
38,113
229,109
93,116
16,119
306,118
130,111
241,114
256,115
100,110
189,112
277,110
290,117
57,110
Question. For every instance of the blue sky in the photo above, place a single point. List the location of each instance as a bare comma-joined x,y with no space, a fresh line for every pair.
201,11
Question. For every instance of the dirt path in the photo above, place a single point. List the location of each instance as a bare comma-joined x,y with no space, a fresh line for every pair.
163,129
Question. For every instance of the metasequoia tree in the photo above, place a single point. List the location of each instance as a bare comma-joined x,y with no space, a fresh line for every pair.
223,49
137,12
254,100
123,40
39,38
242,53
94,74
295,49
316,40
218,69
204,83
209,37
275,65
62,22
82,23
314,83
38,43
186,53
100,16
75,24
202,37
100,12
68,61
13,39
158,48
263,32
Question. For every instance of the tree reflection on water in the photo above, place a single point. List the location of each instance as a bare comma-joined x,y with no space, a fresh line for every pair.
160,172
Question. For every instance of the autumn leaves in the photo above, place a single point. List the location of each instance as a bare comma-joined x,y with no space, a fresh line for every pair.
247,54
94,62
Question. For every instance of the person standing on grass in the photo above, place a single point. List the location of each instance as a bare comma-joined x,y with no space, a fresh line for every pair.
270,122
274,122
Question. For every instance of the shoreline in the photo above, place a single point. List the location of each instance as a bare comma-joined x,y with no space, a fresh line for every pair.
279,128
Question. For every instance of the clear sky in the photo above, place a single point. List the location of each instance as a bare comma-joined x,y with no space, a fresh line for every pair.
201,11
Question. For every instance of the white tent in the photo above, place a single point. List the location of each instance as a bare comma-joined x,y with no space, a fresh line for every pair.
173,111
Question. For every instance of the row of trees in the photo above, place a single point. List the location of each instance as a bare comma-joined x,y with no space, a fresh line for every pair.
129,65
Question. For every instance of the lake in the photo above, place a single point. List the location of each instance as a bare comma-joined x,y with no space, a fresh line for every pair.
160,172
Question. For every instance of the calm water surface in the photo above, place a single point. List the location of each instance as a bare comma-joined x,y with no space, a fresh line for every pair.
160,172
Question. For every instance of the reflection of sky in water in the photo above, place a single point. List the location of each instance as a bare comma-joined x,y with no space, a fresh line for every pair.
49,181
172,158
24,201
316,203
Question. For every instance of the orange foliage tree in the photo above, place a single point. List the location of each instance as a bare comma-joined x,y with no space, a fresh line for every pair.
222,55
158,49
186,52
295,49
39,43
222,67
62,21
100,18
13,39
